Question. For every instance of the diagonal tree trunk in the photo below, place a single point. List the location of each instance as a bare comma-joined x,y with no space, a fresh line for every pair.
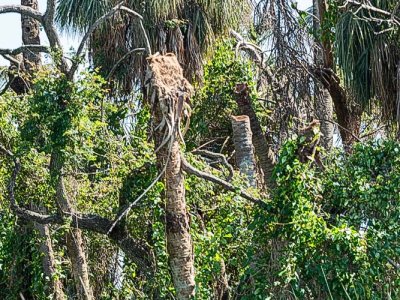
348,113
168,90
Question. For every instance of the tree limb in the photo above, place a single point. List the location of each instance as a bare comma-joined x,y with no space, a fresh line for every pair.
24,48
224,184
23,10
122,59
12,59
221,158
138,251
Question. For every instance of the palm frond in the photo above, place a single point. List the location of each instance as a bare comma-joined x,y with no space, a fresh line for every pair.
186,28
368,55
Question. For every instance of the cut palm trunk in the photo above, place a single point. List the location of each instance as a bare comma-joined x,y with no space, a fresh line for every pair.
242,138
168,92
263,152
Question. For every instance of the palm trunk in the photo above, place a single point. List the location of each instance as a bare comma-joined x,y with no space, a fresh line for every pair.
242,138
263,152
323,100
168,90
348,115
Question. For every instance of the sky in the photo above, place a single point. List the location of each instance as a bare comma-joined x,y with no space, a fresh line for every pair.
10,28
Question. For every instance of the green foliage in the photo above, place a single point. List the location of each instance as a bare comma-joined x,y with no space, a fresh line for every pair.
332,232
367,51
214,103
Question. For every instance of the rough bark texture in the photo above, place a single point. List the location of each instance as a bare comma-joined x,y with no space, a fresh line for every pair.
323,101
75,247
30,62
242,138
30,36
398,101
348,113
263,152
168,90
48,262
324,113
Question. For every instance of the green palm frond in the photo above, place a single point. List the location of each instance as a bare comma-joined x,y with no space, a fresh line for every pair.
78,15
367,54
187,28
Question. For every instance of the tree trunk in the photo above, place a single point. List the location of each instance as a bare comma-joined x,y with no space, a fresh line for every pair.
348,114
168,90
30,36
242,138
75,246
263,152
48,262
398,101
323,100
30,62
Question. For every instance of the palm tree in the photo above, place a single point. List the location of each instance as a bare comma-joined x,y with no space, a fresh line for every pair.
186,28
367,38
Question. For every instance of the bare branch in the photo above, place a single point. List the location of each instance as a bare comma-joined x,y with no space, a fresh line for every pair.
24,48
50,9
221,158
122,59
367,7
345,129
23,10
11,59
138,251
47,21
224,184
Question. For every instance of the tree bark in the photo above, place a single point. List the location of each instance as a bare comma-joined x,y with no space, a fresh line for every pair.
30,62
168,91
30,36
242,138
263,152
48,262
75,246
323,100
348,113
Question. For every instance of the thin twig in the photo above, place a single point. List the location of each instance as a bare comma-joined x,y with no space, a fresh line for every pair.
344,128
